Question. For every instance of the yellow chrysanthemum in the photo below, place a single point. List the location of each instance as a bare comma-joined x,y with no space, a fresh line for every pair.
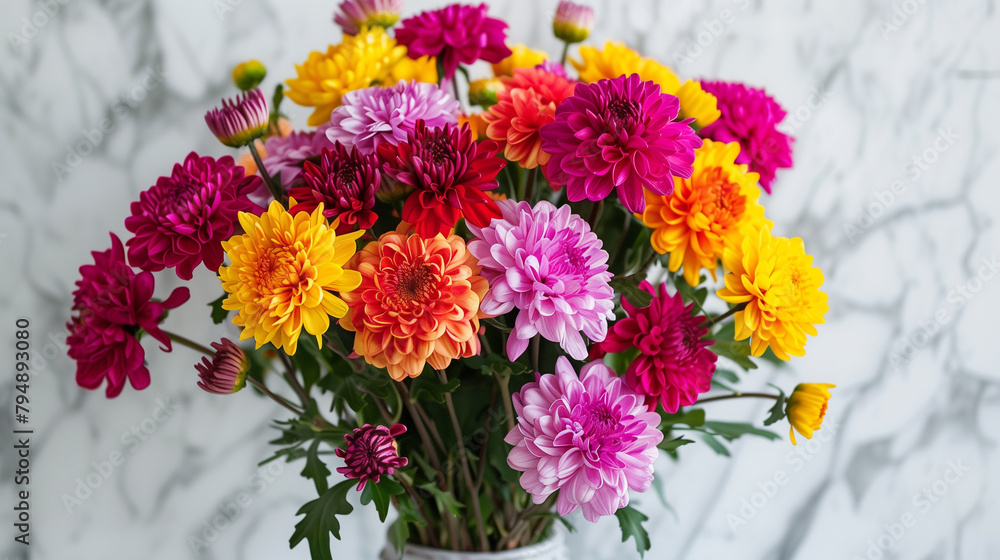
775,278
358,62
521,57
713,209
475,122
283,274
617,59
423,69
806,408
698,104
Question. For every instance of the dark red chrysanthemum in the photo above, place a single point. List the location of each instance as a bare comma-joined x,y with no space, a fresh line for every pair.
182,220
345,183
113,304
371,452
674,364
449,174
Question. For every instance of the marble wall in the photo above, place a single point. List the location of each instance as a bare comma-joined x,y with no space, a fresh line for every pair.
893,105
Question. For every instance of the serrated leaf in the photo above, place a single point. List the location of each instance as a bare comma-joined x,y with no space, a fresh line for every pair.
430,388
628,287
733,430
381,493
715,444
316,469
218,313
444,500
738,351
321,521
776,412
399,533
630,520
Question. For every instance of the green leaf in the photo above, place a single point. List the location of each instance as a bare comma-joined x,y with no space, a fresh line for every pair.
306,363
444,500
736,350
730,375
628,287
381,493
776,412
693,417
399,533
733,430
631,520
218,313
315,468
673,444
430,387
320,520
715,444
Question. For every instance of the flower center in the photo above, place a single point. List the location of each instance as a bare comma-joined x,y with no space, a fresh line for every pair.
347,175
721,201
275,268
411,283
176,201
623,109
575,258
438,151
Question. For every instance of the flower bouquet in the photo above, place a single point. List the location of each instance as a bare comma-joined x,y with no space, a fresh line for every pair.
452,304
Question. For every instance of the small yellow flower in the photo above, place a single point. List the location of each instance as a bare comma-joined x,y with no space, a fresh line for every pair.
248,75
283,274
806,408
616,59
521,57
423,69
485,91
698,104
476,124
775,278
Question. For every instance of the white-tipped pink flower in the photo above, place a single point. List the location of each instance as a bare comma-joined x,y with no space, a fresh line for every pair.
352,15
240,120
573,22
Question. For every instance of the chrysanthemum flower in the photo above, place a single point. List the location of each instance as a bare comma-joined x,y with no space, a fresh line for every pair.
527,104
181,221
711,210
353,15
370,453
697,104
573,22
113,304
418,302
674,364
456,34
545,262
806,408
240,120
358,62
521,56
750,117
226,372
448,172
590,438
423,69
284,156
615,59
618,135
283,274
344,182
371,116
775,278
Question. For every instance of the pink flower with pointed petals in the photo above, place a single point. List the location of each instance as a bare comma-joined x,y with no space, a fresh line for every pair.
371,452
590,438
286,155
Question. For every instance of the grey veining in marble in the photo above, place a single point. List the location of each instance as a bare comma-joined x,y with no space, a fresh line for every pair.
894,107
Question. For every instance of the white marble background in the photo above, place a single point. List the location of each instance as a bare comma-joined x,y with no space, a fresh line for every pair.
869,98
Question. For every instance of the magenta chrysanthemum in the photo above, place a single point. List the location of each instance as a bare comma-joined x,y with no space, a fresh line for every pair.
618,134
371,452
113,304
456,34
285,155
352,15
589,437
674,364
345,183
226,372
182,220
371,116
240,120
750,116
545,262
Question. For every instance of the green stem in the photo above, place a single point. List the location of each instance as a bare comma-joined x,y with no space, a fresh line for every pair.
484,544
732,311
276,398
276,190
189,343
595,215
529,188
739,396
621,240
565,53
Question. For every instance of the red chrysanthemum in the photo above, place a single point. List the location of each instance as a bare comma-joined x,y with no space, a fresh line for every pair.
449,173
182,220
674,364
113,304
370,453
345,183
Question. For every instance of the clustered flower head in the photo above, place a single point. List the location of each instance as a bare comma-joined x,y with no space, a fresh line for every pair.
615,60
370,453
589,437
674,364
344,182
284,156
113,304
372,116
354,15
226,372
545,262
182,220
618,135
806,408
240,120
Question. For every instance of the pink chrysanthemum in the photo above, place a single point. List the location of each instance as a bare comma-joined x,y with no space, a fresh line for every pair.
456,34
547,263
750,116
182,220
240,120
345,183
285,155
352,15
371,116
618,134
673,365
113,304
589,437
370,453
226,372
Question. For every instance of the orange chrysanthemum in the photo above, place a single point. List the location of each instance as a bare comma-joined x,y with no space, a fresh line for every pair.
713,209
528,104
418,302
284,272
775,278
